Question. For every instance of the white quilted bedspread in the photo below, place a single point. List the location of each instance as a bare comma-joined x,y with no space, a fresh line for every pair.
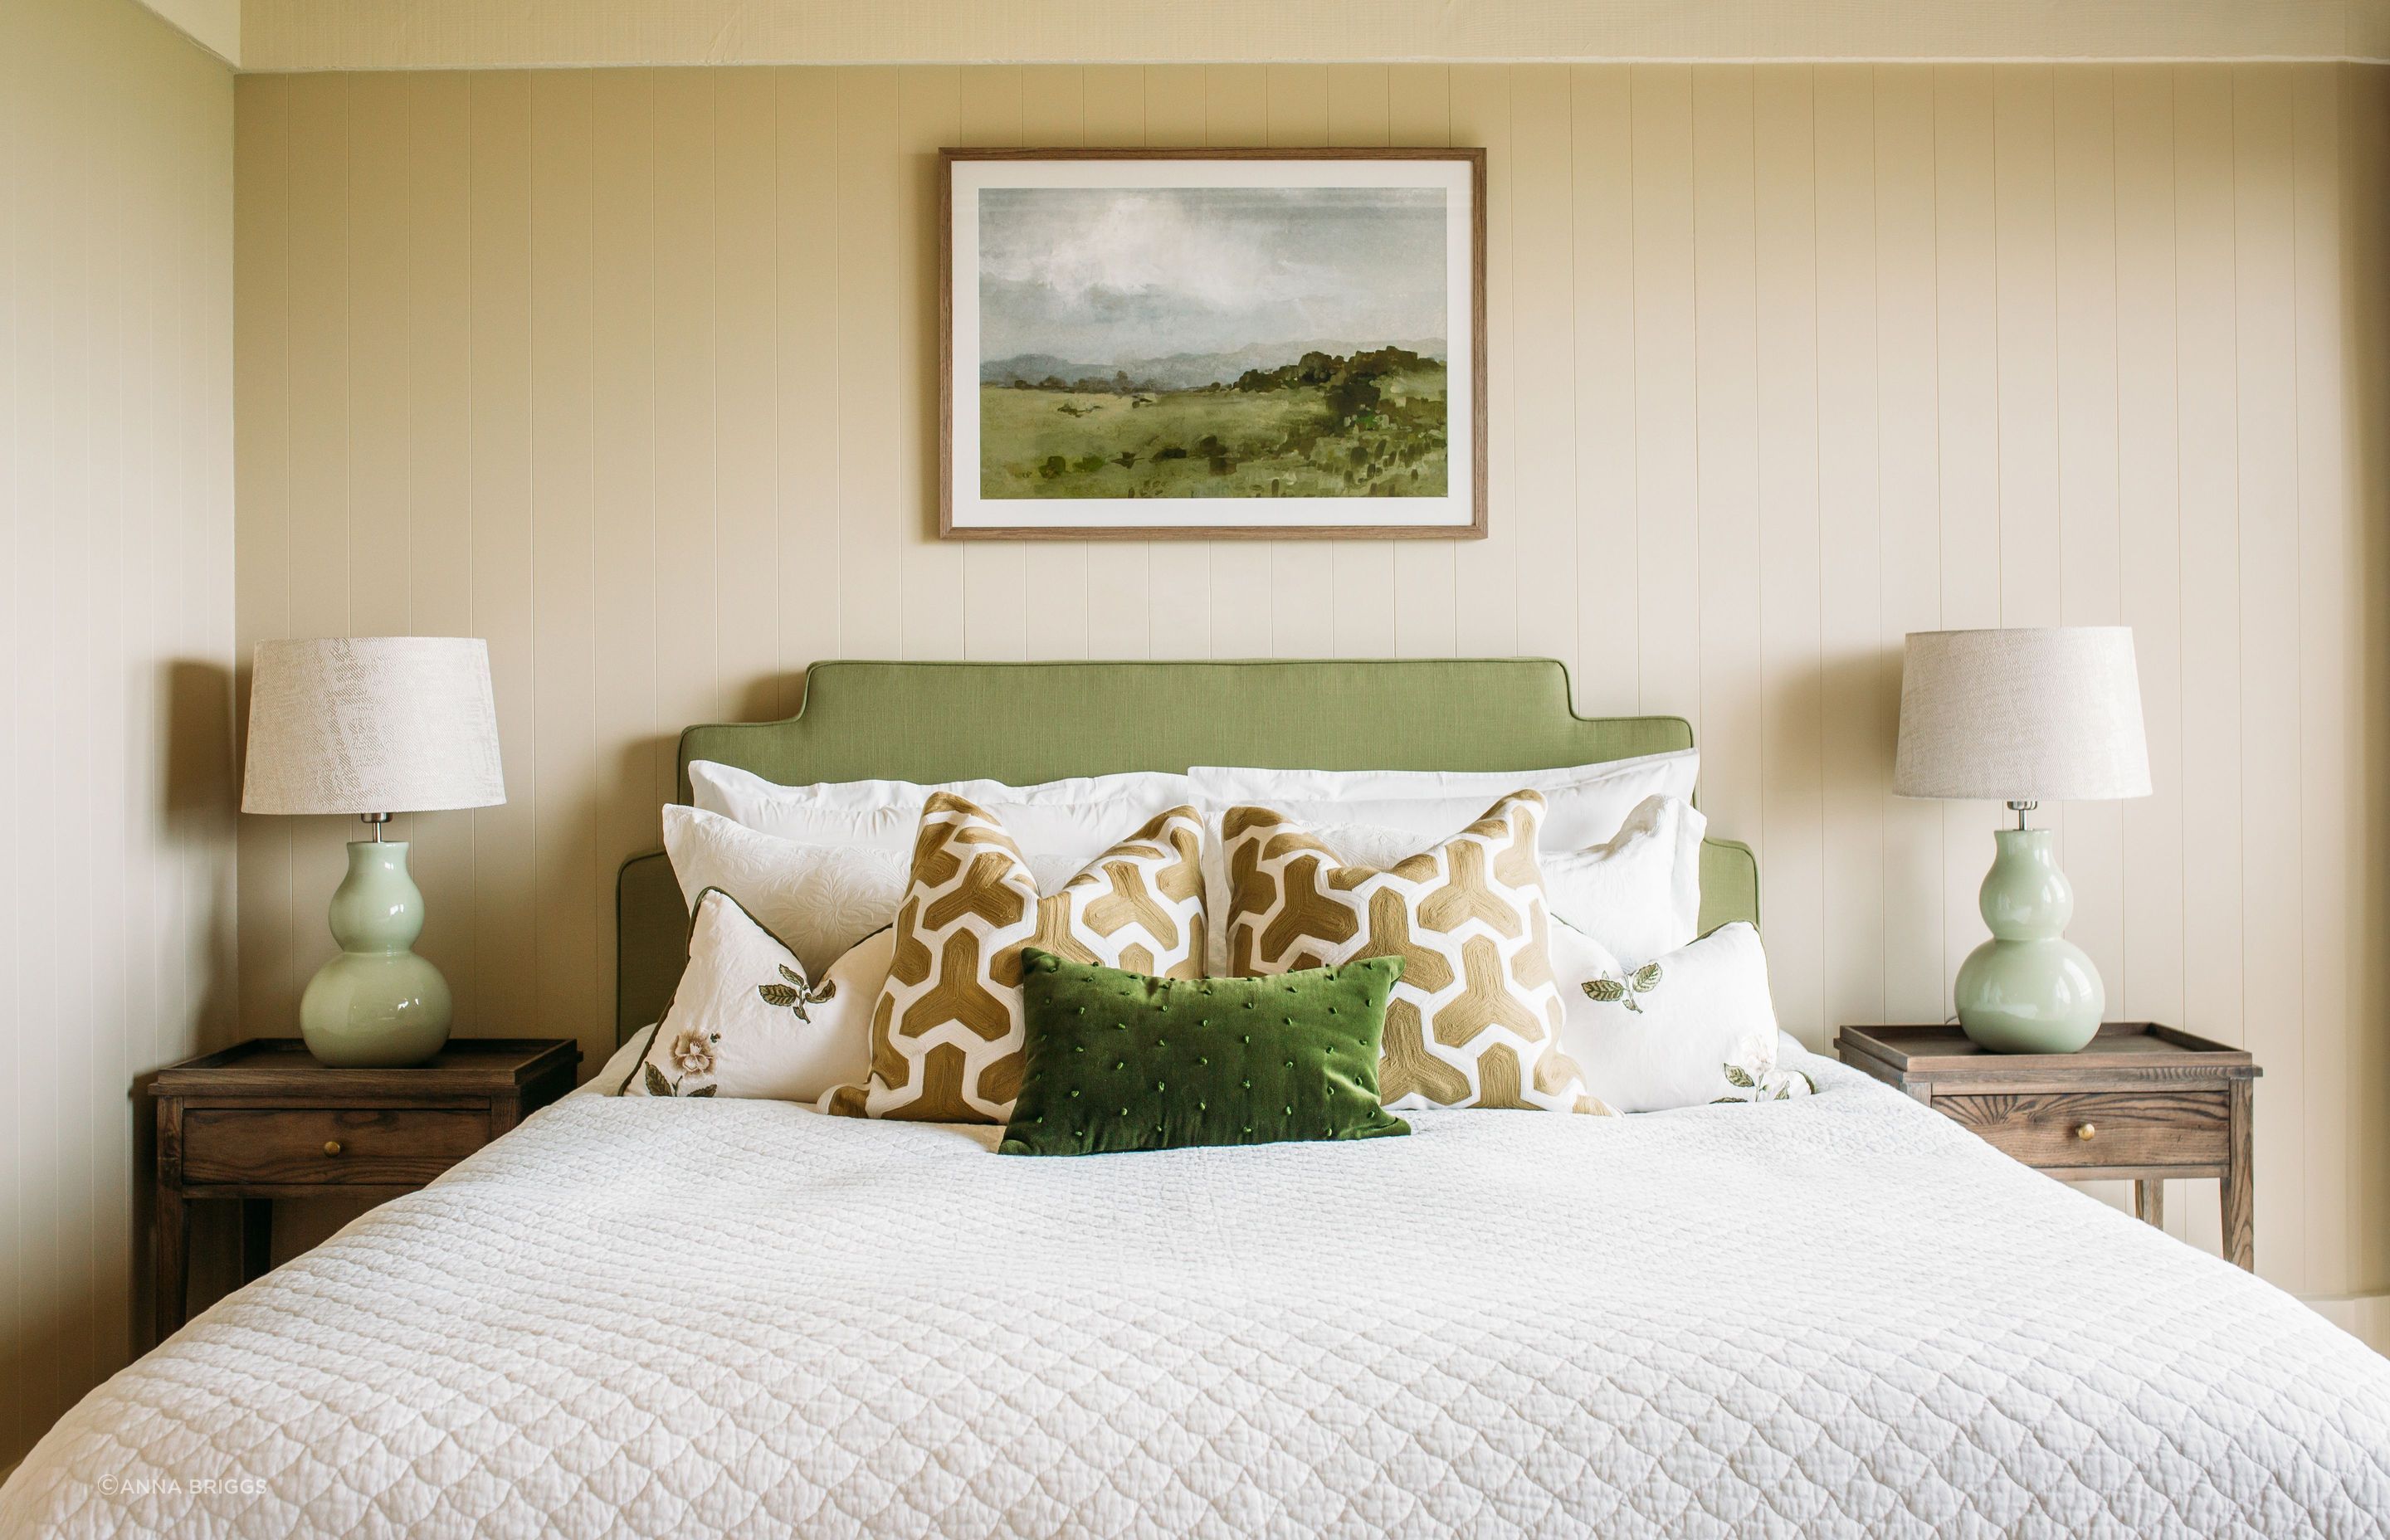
654,1317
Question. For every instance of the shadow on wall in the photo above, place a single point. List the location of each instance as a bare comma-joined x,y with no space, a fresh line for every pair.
2365,809
198,802
1869,672
646,761
198,779
763,698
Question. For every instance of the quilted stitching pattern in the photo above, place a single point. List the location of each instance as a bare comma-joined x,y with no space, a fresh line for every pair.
668,1318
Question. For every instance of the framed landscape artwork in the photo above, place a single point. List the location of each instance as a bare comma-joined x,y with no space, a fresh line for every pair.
1212,344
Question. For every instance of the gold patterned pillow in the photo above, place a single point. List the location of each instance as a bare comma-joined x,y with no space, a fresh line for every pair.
946,1034
1474,1022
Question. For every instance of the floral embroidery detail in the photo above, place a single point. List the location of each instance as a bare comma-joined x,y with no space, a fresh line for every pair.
796,994
692,1055
1616,992
1765,1085
692,1051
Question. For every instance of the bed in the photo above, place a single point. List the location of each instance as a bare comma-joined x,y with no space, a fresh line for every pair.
672,1317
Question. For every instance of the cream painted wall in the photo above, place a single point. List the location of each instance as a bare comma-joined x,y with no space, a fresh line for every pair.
474,34
631,372
116,526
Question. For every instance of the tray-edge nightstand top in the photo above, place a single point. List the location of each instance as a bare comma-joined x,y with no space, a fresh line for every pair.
2122,1047
466,1066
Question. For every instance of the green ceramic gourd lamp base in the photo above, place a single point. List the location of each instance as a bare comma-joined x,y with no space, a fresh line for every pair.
2028,989
376,1005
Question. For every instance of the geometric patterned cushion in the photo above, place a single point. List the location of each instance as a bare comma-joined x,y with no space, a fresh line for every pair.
947,1032
1476,1019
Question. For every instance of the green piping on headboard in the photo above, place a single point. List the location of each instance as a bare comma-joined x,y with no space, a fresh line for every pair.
1024,723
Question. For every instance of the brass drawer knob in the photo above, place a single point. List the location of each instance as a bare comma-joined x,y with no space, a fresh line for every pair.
2086,1131
332,1147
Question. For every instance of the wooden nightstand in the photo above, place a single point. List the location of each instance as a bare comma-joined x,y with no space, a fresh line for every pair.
265,1120
2142,1103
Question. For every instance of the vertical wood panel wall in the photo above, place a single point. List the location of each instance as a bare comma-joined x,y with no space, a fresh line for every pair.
116,557
630,372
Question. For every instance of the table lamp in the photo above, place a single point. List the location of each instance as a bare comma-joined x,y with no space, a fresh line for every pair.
372,725
2025,715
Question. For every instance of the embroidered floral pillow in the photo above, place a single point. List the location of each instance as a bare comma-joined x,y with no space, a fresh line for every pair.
947,1032
1473,1021
747,1022
1688,1028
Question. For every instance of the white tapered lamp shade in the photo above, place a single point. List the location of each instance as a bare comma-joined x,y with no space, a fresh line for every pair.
372,725
2021,714
2025,715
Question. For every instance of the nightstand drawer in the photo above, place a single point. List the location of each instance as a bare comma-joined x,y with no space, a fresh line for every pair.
372,1146
2105,1128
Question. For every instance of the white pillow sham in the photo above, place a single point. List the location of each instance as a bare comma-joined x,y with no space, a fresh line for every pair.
747,1022
1688,1028
1073,820
608,1082
1638,893
823,898
1585,804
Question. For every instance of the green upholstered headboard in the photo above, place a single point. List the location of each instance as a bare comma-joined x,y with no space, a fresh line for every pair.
1025,722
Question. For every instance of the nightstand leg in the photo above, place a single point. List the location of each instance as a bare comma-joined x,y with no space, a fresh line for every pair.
2239,1187
172,1261
256,1239
2149,1201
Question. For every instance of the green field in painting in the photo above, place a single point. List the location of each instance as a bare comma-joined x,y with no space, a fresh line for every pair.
1292,441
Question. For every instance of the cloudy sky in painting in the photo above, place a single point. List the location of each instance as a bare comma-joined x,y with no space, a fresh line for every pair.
1099,274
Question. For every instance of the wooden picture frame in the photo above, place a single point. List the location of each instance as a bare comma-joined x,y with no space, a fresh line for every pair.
1323,431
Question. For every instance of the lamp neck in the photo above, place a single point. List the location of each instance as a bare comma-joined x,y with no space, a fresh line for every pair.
379,819
2019,808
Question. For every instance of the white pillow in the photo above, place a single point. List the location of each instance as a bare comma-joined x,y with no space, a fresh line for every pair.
1585,804
1362,845
740,792
1071,821
608,1082
824,898
1686,1029
747,1022
1638,893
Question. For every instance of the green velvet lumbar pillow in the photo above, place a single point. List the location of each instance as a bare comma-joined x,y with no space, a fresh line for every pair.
1116,1060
